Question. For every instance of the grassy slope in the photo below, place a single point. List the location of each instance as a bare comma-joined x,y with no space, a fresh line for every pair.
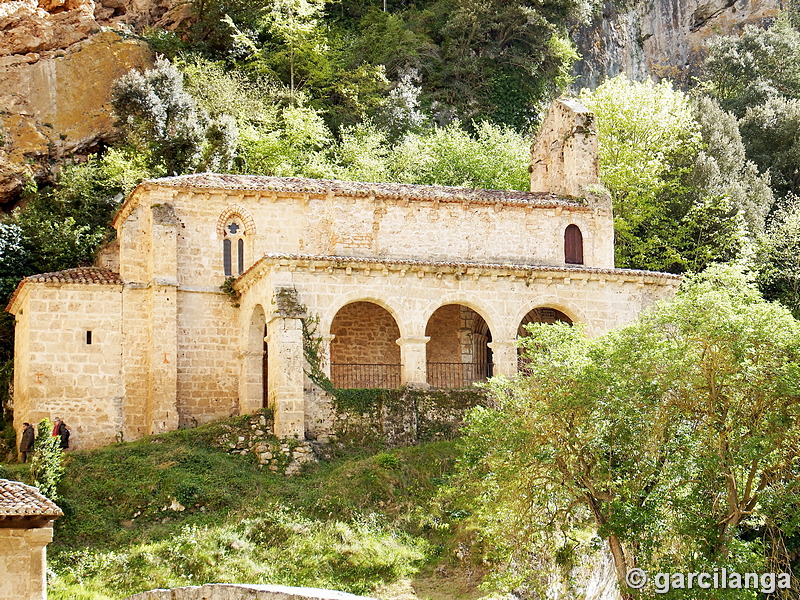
175,510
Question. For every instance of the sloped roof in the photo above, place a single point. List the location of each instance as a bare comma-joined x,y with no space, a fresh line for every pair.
303,185
91,275
273,256
20,500
78,275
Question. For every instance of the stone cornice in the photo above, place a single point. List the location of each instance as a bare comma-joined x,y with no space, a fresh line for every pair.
420,268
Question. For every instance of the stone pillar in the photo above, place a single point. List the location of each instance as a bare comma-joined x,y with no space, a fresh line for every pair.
325,353
163,397
286,376
413,361
23,556
251,382
504,357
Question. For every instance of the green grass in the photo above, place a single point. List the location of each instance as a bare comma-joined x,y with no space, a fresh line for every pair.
353,524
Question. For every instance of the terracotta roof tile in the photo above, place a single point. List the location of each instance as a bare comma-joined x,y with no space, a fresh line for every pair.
20,500
94,275
78,275
353,188
464,265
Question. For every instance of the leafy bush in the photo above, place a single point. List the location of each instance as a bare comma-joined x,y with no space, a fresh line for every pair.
47,468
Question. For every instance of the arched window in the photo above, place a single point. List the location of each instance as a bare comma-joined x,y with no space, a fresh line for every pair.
234,232
573,245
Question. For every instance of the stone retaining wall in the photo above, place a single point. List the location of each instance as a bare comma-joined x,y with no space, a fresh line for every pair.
234,591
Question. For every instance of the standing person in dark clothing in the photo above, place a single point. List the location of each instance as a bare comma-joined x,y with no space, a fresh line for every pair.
61,431
26,445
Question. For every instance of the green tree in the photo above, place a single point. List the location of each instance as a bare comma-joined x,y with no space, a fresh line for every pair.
756,76
722,168
683,195
493,157
772,133
744,71
161,121
778,256
296,26
668,437
158,117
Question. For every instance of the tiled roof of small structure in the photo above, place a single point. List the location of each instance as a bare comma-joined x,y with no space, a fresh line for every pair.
300,185
95,275
465,265
78,275
20,500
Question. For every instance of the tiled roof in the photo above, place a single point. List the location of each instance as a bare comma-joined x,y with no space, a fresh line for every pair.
95,275
301,185
20,500
78,275
465,265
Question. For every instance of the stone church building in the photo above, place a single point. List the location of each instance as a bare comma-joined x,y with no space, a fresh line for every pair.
413,285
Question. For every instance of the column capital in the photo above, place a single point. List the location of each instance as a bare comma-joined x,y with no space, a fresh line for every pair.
502,344
403,341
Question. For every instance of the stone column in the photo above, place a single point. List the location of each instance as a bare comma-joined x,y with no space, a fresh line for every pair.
286,376
504,357
23,557
413,360
163,398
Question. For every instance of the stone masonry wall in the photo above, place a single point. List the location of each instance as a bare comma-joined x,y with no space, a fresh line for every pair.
443,329
390,418
208,361
232,591
61,375
411,229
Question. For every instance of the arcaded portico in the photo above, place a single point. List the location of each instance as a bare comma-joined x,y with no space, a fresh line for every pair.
440,315
198,312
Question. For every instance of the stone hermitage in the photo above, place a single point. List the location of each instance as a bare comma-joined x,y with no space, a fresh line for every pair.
419,286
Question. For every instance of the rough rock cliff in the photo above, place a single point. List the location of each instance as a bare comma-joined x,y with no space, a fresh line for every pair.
58,59
660,38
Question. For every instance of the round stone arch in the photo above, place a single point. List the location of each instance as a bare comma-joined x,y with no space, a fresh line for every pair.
326,318
232,211
364,346
459,349
574,315
488,316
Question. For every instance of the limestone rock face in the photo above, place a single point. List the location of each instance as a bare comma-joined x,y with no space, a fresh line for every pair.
58,60
660,38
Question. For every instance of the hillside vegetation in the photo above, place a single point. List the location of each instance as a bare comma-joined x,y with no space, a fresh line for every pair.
176,509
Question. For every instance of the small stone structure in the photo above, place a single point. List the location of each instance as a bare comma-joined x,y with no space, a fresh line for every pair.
234,591
221,277
26,527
